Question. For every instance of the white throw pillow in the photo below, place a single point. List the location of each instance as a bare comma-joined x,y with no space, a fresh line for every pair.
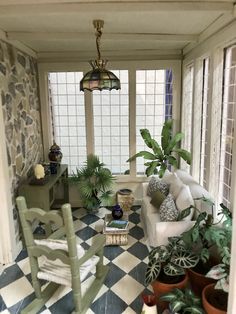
185,200
175,185
168,210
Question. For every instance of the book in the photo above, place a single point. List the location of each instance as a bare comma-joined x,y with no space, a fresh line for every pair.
117,224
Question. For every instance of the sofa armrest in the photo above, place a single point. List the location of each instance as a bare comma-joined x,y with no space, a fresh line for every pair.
165,229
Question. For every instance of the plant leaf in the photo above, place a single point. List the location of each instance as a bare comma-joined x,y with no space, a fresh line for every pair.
162,170
204,255
151,168
172,269
176,306
184,213
223,284
144,154
217,272
184,154
146,137
152,271
173,161
166,134
160,253
173,142
185,259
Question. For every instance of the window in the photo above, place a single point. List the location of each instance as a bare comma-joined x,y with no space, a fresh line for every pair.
187,111
204,130
153,106
227,128
68,116
111,125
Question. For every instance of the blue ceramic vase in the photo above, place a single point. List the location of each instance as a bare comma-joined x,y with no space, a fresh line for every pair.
117,212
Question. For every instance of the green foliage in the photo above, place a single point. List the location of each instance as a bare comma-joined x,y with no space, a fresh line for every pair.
165,154
94,182
172,259
183,301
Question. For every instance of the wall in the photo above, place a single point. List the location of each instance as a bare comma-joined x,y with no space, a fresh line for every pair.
21,115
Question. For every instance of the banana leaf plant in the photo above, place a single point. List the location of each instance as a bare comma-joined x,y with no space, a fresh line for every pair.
164,154
183,301
172,259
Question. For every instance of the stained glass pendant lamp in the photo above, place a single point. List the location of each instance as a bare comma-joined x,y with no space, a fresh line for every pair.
99,78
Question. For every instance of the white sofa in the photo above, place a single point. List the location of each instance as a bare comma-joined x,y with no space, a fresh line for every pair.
156,231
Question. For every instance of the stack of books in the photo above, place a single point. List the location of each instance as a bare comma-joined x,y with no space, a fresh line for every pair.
115,225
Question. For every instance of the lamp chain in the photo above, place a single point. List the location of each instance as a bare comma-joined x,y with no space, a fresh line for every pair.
98,40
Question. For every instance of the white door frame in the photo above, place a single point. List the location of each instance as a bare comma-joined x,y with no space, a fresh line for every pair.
8,248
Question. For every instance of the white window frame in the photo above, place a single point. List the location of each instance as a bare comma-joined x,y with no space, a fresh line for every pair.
131,66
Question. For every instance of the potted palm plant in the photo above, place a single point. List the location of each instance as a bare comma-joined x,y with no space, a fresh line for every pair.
183,301
163,154
94,182
166,267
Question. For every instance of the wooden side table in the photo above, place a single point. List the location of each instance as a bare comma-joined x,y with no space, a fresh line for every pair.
117,237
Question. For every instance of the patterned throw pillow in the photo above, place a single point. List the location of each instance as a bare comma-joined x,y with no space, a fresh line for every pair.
168,210
155,184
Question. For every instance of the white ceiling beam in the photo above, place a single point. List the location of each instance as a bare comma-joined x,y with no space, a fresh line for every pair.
14,2
147,6
110,55
55,36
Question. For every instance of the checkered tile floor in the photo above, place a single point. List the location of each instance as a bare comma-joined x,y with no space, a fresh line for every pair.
121,290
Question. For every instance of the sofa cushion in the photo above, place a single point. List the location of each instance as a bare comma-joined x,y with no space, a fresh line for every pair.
175,183
157,199
185,200
168,210
157,184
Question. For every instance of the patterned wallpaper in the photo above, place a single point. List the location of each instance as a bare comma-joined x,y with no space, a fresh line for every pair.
20,105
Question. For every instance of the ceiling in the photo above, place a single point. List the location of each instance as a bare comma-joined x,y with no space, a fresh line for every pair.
64,29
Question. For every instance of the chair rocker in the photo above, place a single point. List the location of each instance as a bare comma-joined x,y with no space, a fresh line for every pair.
61,262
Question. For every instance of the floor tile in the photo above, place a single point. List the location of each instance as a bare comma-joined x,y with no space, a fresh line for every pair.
109,303
136,232
78,225
114,275
59,293
126,261
111,252
138,272
24,265
89,219
139,250
135,218
86,233
128,310
16,291
23,254
80,212
10,274
2,304
64,305
127,289
5,312
131,242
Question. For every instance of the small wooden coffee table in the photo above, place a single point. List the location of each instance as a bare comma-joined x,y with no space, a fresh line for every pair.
115,237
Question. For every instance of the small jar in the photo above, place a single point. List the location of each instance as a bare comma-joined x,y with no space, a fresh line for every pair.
117,212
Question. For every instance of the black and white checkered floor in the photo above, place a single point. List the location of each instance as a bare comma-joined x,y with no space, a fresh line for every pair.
121,290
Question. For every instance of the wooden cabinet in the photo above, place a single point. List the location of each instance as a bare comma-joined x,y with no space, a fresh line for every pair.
52,194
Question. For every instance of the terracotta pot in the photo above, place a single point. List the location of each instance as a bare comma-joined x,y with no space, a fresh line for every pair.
208,307
198,281
160,288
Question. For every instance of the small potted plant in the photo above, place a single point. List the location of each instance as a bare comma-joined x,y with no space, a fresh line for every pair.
183,301
163,154
94,182
166,267
215,296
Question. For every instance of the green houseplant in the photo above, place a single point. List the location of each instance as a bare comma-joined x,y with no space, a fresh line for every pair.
215,297
94,182
166,267
163,154
183,301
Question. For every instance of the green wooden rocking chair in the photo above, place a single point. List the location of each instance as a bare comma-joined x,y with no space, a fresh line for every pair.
62,262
